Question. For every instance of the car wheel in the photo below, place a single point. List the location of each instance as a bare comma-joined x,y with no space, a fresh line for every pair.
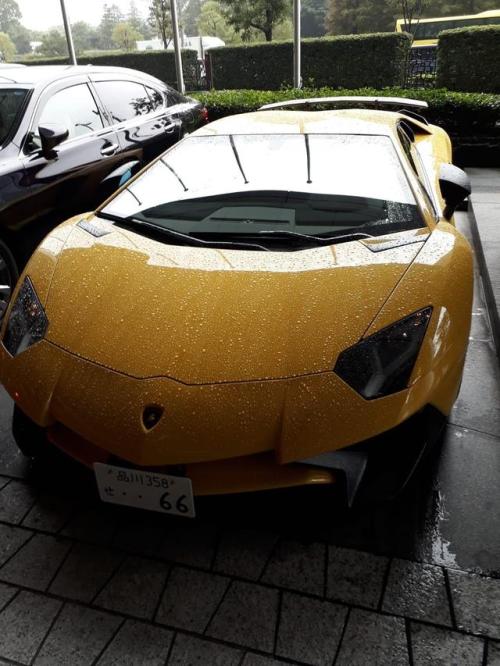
9,275
29,437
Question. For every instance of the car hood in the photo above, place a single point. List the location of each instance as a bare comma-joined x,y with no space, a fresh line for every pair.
201,316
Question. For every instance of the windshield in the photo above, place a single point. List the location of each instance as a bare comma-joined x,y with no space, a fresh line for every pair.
11,101
274,188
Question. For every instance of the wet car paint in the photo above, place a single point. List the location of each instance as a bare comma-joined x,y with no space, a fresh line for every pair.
448,516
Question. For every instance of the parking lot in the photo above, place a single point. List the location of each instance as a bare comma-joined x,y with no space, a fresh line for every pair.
263,579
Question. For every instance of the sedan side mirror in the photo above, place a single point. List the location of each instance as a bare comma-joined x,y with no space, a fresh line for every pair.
50,137
455,188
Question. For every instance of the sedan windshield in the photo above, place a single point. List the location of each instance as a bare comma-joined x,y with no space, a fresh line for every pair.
11,101
278,191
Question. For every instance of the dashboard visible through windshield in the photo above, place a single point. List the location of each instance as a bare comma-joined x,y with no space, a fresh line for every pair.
272,191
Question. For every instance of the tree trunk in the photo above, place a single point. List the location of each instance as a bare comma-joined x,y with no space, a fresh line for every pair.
268,31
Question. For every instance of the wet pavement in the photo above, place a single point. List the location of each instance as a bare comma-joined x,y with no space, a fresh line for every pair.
485,210
263,579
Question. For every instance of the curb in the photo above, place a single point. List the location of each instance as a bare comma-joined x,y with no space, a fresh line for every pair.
489,294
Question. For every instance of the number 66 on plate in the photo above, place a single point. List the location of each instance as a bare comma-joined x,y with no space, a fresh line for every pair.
145,490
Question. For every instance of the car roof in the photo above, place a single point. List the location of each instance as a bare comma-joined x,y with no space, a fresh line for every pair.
37,74
342,121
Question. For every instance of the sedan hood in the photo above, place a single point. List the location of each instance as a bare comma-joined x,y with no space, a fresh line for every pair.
205,316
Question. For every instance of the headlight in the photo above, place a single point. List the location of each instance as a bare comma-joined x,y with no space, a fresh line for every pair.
27,321
382,364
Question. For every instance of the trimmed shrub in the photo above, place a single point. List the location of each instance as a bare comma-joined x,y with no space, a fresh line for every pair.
350,61
469,59
471,119
160,64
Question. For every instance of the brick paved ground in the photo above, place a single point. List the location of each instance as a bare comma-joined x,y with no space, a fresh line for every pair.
264,580
97,587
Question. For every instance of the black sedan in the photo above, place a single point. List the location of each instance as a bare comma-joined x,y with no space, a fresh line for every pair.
69,137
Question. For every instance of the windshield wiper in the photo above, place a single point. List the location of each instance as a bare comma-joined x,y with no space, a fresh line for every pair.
134,222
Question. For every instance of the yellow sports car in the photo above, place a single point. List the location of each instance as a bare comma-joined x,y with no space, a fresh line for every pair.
281,299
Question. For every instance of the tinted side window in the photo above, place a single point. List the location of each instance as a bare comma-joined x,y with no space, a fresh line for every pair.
11,103
75,109
157,99
174,97
124,99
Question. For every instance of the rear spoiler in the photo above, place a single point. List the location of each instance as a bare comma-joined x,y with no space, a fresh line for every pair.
367,102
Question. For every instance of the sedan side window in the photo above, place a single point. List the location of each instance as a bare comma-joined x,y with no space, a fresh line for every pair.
157,99
74,108
124,100
174,97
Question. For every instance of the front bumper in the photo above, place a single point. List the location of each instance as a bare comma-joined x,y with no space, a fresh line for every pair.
379,467
292,419
226,437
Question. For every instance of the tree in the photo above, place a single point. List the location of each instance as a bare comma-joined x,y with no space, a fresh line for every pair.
191,15
213,22
133,16
85,37
10,23
111,16
10,15
21,37
283,30
53,44
341,17
457,7
411,11
125,36
137,21
7,48
352,17
313,18
261,15
160,20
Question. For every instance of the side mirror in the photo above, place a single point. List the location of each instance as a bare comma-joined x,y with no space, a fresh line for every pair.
50,137
455,187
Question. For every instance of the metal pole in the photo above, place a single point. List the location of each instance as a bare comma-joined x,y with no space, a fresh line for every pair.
177,47
297,64
69,36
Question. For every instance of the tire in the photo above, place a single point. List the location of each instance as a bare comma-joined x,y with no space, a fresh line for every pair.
30,438
9,275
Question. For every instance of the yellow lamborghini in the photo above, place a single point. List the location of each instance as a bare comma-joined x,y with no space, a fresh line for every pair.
281,299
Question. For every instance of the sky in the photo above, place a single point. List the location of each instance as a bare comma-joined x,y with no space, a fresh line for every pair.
42,14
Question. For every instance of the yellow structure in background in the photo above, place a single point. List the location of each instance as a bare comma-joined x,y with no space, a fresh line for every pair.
426,31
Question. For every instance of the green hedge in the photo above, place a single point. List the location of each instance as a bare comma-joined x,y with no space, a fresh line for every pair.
469,59
160,64
355,61
471,119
